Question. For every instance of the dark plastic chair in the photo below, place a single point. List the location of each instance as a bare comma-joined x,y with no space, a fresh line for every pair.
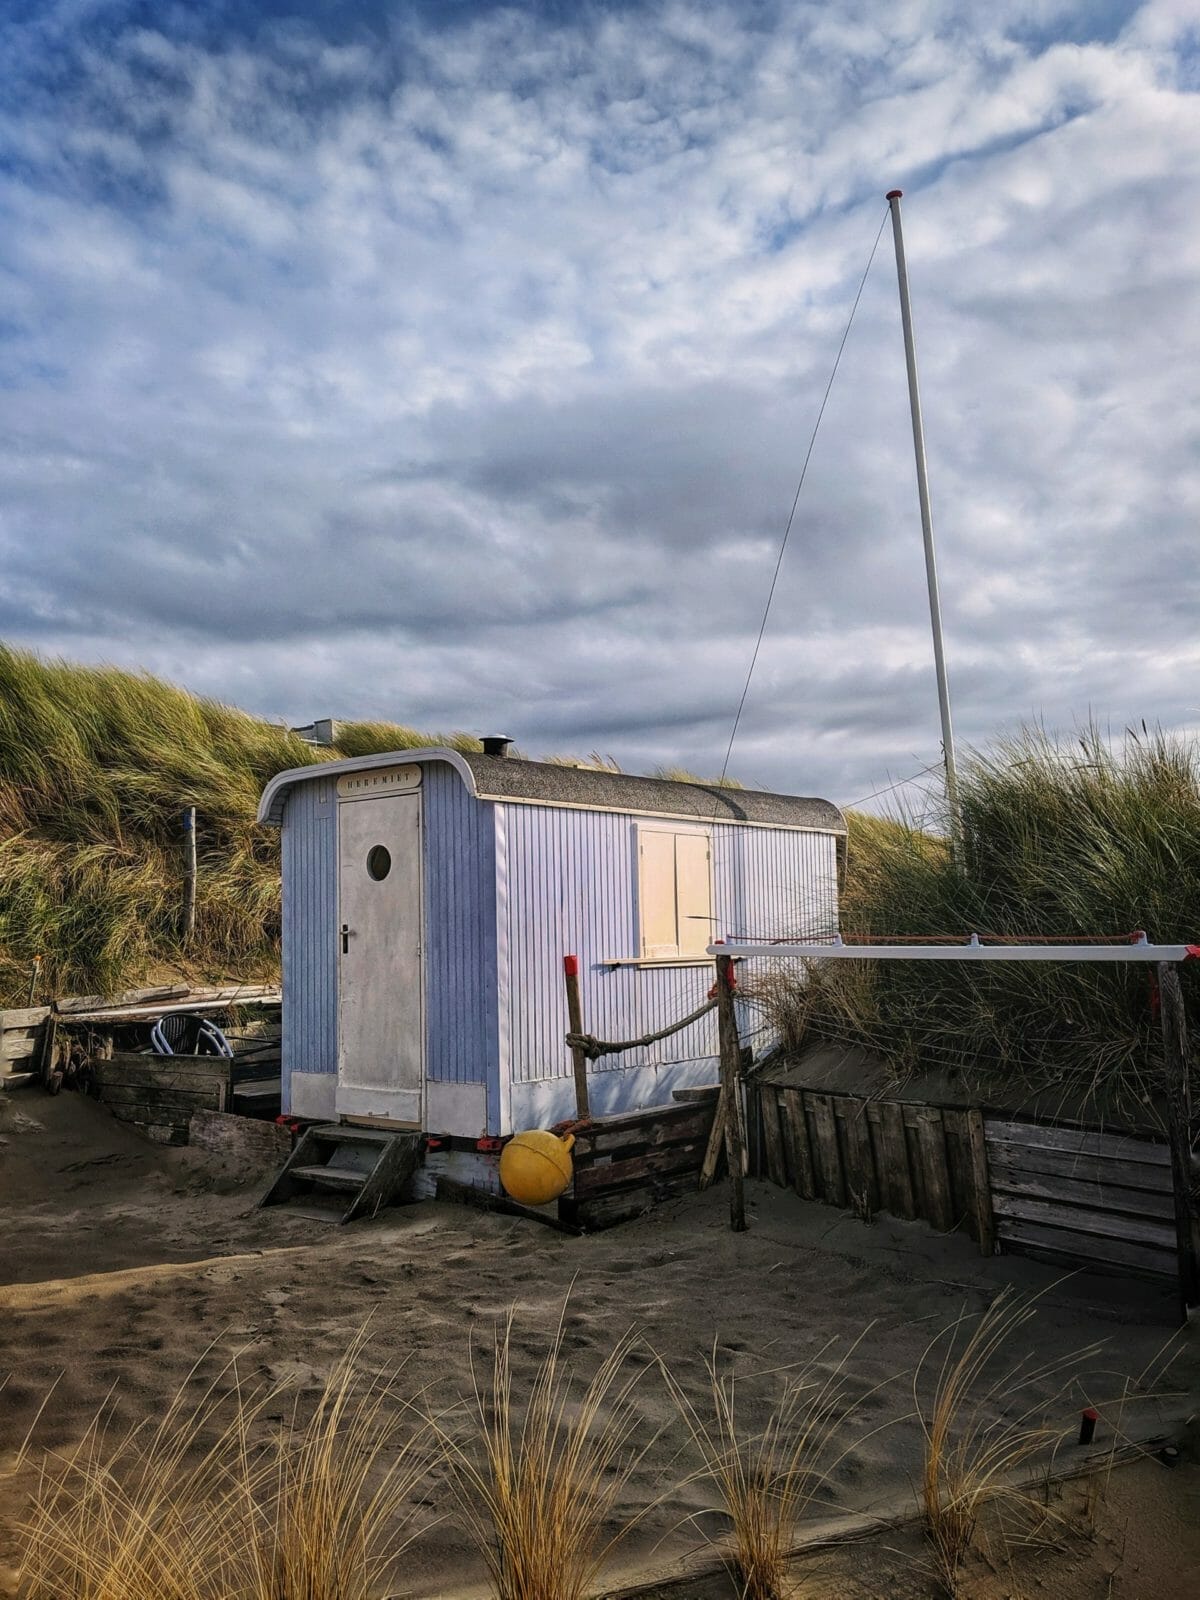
182,1033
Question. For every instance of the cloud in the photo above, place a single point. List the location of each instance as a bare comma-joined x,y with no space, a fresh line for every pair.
458,366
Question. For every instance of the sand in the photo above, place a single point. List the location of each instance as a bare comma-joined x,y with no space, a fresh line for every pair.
122,1262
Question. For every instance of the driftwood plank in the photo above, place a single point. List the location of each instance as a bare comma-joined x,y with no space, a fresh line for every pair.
935,1174
1177,1075
1086,1250
799,1150
891,1158
1039,1135
772,1135
1081,1192
1090,1224
716,1144
832,1179
958,1163
612,1175
985,1222
1155,1179
26,1017
639,1129
862,1187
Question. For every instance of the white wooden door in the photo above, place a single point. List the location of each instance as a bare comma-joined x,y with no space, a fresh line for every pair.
381,1021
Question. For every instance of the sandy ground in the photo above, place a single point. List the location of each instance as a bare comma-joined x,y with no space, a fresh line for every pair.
121,1262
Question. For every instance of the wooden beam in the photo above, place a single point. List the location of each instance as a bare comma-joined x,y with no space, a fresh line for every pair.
716,1143
829,1159
803,1177
730,1063
575,1022
772,1135
985,1222
1177,1064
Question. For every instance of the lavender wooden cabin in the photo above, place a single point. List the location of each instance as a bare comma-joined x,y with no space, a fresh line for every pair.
430,896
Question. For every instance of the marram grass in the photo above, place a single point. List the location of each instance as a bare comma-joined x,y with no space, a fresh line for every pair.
216,1501
1062,838
96,768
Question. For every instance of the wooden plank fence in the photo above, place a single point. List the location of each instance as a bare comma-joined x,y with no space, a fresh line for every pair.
1083,1197
914,1161
21,1040
1074,1196
625,1164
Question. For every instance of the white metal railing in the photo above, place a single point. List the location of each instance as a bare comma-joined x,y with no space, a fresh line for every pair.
1137,948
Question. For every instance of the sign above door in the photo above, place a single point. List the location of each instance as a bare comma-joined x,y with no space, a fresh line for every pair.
382,780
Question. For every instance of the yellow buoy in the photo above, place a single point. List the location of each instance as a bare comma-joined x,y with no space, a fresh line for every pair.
535,1167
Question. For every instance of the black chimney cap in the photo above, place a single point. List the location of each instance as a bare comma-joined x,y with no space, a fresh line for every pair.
495,744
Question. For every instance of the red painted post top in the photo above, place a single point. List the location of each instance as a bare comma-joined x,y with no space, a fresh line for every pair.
894,194
571,966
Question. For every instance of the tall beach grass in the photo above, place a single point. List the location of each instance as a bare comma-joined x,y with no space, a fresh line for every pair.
96,768
1062,837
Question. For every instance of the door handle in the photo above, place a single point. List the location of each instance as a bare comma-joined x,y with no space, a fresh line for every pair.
345,938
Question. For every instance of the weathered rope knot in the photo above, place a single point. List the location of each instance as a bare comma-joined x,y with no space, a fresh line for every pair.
594,1048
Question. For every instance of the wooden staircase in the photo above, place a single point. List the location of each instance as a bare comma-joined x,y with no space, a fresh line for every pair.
337,1174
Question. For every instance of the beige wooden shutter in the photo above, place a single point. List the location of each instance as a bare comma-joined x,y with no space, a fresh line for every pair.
656,892
693,893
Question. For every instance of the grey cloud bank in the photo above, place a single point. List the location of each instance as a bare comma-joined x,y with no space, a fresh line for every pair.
461,373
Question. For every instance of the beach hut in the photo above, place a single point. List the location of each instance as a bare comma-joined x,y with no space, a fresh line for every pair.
429,897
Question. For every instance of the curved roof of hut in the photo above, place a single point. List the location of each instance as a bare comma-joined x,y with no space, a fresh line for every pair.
548,783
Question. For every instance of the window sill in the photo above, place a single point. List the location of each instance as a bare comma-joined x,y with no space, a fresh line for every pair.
656,961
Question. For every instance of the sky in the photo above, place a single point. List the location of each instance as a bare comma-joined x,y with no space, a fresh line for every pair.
455,364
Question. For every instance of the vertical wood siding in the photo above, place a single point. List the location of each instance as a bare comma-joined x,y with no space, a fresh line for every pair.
572,888
460,930
460,920
309,930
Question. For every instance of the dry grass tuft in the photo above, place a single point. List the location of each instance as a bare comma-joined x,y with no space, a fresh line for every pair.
126,1515
539,1480
327,1504
984,1425
211,1504
768,1481
1063,837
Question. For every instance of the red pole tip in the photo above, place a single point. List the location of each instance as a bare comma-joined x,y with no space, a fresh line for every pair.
571,966
894,194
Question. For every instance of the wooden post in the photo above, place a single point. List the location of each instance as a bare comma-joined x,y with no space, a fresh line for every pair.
34,970
189,903
730,1062
575,1022
985,1222
1176,1058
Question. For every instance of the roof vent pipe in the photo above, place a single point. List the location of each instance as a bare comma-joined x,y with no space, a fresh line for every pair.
495,744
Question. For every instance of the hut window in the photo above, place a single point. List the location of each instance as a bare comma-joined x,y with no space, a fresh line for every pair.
379,862
674,892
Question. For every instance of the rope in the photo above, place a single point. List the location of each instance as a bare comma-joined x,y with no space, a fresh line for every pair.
593,1047
796,501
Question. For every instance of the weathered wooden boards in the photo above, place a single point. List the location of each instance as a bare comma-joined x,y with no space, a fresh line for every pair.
136,1007
627,1163
1097,1200
158,1094
878,1155
245,1140
20,1043
1100,1200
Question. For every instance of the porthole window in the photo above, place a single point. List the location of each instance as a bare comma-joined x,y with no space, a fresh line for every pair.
379,862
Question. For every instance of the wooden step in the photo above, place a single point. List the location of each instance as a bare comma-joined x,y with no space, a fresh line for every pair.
355,1170
335,1133
331,1177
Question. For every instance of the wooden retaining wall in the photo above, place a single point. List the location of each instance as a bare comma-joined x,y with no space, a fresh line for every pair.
158,1094
1083,1198
1074,1196
627,1163
877,1155
21,1042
